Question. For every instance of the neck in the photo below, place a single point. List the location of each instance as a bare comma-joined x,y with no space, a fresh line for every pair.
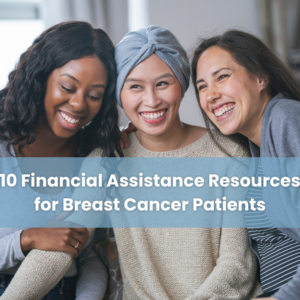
253,131
47,144
172,139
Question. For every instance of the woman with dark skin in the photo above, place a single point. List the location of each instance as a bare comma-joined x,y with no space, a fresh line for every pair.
59,102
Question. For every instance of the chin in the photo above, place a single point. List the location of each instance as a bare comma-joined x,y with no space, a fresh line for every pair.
154,131
227,131
65,134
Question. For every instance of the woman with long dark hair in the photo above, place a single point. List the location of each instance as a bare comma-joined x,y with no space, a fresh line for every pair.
247,93
60,102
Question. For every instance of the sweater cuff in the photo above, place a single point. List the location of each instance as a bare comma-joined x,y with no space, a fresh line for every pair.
19,255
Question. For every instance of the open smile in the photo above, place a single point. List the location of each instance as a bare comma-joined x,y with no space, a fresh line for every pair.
153,116
224,110
69,120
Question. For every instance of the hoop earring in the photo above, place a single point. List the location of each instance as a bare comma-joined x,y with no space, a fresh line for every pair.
87,124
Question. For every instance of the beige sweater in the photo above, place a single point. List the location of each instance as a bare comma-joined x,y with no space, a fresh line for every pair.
165,263
186,263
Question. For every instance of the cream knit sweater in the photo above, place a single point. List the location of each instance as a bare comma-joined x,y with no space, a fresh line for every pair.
161,263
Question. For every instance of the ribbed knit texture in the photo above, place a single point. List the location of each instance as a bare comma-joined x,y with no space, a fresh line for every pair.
191,264
187,263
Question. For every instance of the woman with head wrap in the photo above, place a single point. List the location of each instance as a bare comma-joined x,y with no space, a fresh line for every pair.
171,263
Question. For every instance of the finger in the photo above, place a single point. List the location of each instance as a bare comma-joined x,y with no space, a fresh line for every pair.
121,144
124,139
76,245
82,238
81,230
80,248
71,250
130,128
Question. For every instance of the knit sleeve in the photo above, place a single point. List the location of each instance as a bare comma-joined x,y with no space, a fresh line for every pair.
234,275
42,270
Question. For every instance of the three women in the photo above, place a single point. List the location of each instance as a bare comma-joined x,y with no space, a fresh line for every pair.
150,88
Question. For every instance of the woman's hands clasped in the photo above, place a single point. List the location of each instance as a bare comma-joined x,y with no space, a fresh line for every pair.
69,240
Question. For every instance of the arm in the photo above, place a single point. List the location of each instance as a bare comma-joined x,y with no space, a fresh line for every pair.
234,274
92,275
10,251
125,130
286,143
42,270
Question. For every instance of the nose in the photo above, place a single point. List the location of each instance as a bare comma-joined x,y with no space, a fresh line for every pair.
151,99
212,93
78,102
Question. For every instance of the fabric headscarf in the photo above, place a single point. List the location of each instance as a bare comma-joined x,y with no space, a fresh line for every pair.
138,45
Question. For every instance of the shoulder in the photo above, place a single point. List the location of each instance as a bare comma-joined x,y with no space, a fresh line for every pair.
280,129
135,149
196,131
96,153
231,146
282,108
3,149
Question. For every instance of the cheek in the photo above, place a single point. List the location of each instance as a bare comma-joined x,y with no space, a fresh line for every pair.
172,97
204,104
233,90
130,103
53,99
238,87
94,108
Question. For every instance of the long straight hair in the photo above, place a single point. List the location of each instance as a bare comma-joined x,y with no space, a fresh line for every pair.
251,53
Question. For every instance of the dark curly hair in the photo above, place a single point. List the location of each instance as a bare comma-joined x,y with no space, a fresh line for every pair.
22,100
251,53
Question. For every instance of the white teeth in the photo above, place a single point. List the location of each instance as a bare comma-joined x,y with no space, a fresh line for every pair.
68,119
153,116
224,110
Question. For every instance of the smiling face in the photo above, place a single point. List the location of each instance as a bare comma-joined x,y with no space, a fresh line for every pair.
231,97
74,95
151,96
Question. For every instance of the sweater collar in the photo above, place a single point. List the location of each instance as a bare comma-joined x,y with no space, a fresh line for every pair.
254,149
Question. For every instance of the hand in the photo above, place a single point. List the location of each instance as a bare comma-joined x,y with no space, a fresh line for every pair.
125,130
55,239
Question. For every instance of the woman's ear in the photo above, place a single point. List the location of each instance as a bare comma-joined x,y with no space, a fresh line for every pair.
263,83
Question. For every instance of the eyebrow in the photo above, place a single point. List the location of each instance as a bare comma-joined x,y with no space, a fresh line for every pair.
213,74
70,76
75,79
160,77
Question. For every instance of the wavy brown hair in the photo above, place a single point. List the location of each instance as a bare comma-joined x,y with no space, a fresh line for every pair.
22,100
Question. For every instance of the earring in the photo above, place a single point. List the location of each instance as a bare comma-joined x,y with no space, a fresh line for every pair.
87,124
263,86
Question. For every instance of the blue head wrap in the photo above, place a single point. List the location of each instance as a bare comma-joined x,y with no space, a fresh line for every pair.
138,45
